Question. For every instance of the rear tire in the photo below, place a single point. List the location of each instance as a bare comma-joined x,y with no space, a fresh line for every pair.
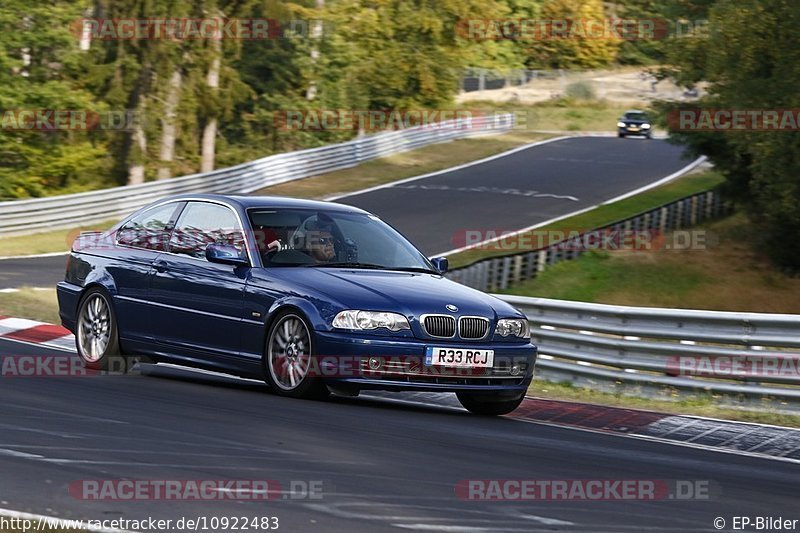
489,404
96,334
288,357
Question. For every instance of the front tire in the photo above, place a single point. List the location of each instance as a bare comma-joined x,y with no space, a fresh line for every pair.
621,135
288,358
96,335
489,404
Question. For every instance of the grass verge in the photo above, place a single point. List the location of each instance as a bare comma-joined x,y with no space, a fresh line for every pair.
34,304
603,215
47,242
564,114
699,406
726,274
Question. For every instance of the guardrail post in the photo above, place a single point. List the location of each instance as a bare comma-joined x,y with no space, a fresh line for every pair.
517,277
541,260
505,271
484,276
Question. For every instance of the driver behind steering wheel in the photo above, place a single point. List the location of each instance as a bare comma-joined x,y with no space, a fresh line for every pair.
321,245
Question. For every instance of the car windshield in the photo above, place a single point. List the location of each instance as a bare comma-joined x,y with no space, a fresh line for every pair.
320,239
635,116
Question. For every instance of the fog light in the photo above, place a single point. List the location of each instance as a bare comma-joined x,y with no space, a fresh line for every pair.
514,370
374,363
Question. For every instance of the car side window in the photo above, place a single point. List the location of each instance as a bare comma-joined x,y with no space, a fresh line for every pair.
149,230
203,223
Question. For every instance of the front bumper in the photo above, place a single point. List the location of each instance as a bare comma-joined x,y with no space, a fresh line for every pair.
628,130
69,296
344,359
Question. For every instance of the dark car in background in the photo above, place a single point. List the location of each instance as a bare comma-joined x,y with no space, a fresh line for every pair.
634,122
309,296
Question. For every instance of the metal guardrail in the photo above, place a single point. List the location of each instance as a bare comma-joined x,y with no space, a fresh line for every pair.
497,273
745,358
26,216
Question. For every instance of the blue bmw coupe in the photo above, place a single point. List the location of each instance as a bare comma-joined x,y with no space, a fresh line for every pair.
310,296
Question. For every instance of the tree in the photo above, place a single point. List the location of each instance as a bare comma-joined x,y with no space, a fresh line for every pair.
578,47
40,72
751,58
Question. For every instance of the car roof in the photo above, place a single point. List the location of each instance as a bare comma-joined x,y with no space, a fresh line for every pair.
250,202
629,111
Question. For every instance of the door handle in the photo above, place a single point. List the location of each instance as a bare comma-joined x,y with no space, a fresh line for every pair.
160,267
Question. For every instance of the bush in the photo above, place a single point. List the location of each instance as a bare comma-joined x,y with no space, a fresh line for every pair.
580,90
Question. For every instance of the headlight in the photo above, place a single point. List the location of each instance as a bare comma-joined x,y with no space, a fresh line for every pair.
517,327
645,126
620,124
354,319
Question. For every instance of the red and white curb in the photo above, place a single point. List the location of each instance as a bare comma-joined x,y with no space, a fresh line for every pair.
33,332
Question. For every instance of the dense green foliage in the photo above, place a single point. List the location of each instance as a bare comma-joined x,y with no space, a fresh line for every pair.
191,104
750,57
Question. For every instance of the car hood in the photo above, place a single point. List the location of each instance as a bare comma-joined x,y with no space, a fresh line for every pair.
412,294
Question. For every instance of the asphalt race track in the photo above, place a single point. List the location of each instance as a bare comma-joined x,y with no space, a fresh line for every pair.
382,465
32,272
519,190
507,193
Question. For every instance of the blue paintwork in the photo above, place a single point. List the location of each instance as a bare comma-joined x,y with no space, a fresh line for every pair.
212,315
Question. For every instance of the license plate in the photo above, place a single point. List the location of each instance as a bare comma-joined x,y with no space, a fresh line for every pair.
459,357
633,129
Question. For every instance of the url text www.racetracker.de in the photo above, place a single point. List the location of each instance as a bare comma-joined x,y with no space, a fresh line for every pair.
193,523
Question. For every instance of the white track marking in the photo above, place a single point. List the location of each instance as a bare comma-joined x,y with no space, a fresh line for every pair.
446,170
50,254
506,235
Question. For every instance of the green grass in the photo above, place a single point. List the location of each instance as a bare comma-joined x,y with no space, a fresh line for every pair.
606,214
29,303
700,405
598,274
729,274
565,114
47,242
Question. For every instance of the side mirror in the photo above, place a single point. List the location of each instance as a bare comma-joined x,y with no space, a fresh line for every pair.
225,254
440,264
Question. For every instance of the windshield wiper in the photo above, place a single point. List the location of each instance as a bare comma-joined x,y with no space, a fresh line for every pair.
347,264
415,269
